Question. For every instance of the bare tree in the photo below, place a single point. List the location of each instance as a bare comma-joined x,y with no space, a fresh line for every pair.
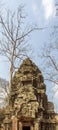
56,9
49,54
49,58
4,92
15,34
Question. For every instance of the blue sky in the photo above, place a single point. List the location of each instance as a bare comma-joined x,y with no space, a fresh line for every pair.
40,12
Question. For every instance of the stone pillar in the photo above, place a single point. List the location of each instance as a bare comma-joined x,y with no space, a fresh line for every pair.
14,123
20,126
7,123
2,127
57,126
32,128
7,126
37,124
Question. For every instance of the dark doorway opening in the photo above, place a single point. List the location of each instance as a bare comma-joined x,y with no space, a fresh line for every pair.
26,127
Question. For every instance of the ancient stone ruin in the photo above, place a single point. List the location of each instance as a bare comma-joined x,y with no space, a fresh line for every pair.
29,108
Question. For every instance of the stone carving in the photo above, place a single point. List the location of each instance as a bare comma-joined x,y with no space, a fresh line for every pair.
29,107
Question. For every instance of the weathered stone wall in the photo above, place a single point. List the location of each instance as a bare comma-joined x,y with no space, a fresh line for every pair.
29,106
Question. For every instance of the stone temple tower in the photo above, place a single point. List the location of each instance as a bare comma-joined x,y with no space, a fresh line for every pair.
29,107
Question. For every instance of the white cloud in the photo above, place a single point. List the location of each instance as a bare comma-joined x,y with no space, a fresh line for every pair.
44,10
49,8
35,8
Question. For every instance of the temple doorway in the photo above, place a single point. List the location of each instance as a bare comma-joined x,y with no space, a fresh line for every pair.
26,127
